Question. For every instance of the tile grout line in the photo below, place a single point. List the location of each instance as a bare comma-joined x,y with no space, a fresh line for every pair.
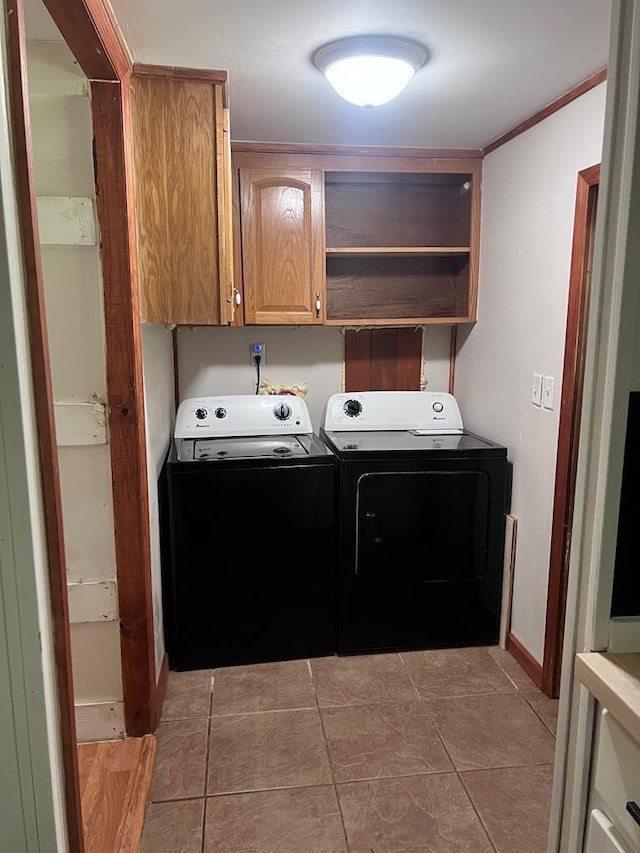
479,816
206,765
541,718
326,747
406,669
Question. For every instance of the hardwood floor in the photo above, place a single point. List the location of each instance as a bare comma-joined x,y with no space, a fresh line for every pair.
114,783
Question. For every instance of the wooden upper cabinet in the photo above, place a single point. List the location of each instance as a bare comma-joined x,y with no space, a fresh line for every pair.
282,216
182,164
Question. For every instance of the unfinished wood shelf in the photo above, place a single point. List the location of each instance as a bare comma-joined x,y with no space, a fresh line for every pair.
391,251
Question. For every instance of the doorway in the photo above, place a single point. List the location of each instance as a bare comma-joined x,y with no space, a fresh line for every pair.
569,426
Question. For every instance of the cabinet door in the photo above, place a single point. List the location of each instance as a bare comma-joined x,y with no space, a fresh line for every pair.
282,217
182,179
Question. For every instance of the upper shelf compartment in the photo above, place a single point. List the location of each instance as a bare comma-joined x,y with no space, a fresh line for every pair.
385,213
400,247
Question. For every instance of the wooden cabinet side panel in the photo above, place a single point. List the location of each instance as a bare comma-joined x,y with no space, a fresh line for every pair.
175,166
192,211
282,246
474,256
225,208
151,197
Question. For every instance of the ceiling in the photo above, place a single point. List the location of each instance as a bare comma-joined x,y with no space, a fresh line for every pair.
493,63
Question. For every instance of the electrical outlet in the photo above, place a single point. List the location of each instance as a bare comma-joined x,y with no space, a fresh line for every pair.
536,390
548,386
258,349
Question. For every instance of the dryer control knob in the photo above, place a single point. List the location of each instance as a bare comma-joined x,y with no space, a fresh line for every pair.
201,414
437,407
220,412
282,411
352,408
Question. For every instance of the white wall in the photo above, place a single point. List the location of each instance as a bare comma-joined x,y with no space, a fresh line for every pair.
159,409
216,360
62,134
528,200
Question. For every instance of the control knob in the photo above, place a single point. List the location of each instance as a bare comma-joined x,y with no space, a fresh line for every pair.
437,407
220,412
282,411
201,414
352,408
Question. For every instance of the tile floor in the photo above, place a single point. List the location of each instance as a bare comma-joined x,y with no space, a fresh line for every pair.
435,751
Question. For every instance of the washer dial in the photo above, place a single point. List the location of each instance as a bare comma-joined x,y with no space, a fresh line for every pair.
282,411
352,408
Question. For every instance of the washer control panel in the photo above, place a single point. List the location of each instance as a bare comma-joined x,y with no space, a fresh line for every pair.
426,412
242,414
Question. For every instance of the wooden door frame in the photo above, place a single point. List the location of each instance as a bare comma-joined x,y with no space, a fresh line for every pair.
569,427
93,36
43,403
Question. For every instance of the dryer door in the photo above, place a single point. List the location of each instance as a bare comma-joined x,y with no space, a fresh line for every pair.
422,526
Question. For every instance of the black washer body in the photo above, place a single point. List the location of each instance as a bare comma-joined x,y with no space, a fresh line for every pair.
248,563
421,539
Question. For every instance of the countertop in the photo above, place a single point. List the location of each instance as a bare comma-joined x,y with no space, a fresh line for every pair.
614,680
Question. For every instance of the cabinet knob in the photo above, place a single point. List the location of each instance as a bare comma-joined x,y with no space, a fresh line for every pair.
237,299
634,810
318,305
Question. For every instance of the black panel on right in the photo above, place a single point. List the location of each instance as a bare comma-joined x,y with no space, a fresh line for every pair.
626,584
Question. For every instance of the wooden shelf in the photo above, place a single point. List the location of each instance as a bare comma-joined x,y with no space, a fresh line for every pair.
390,251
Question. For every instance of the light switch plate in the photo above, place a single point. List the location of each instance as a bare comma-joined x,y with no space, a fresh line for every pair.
548,385
536,390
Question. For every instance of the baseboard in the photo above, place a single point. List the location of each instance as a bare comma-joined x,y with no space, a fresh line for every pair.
526,660
161,689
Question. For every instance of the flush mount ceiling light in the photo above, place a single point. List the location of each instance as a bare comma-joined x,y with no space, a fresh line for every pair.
370,70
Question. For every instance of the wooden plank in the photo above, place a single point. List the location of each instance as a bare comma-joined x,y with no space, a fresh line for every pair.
526,660
43,402
112,131
614,680
392,251
163,678
408,359
453,354
383,360
508,566
130,830
90,29
224,205
569,425
208,75
116,777
398,321
581,89
357,360
288,148
353,160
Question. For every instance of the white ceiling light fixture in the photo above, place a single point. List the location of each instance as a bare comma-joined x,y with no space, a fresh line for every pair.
370,70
